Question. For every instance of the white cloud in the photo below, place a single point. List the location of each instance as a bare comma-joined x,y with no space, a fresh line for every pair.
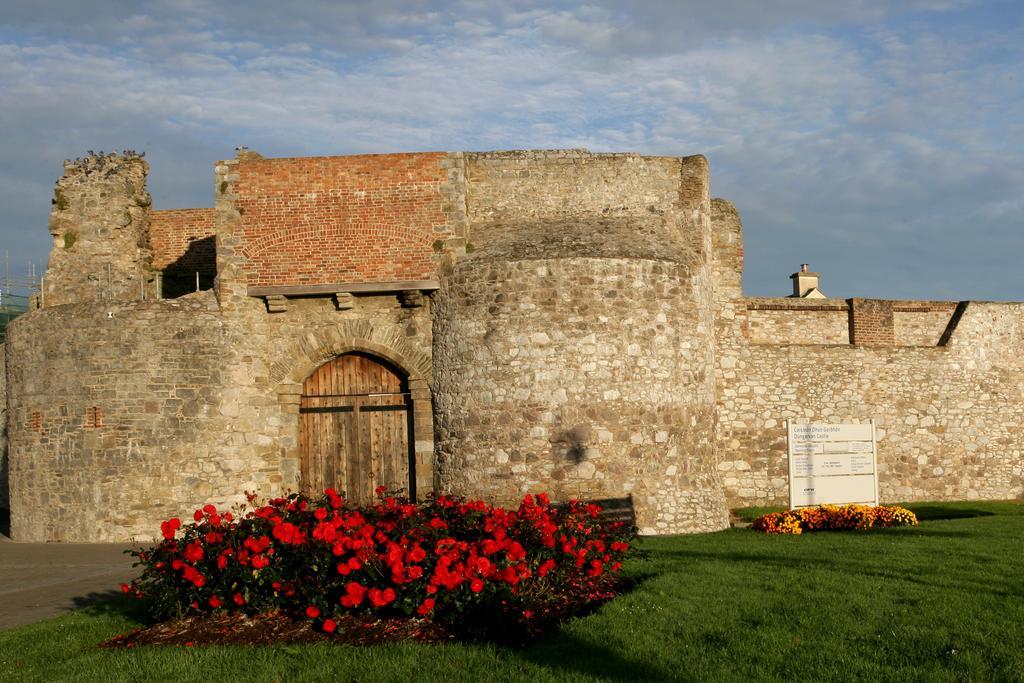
858,145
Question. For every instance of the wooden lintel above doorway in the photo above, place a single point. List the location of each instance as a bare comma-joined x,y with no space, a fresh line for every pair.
354,288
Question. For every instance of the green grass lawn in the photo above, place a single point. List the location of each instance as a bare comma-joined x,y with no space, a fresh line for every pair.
942,602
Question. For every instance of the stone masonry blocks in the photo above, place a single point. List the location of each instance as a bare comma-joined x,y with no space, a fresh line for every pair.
590,338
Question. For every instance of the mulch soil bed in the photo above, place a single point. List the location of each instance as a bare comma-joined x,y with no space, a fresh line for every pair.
277,629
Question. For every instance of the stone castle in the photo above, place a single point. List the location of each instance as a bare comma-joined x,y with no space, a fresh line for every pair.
486,324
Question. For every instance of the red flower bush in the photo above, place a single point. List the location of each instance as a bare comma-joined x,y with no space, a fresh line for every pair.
479,570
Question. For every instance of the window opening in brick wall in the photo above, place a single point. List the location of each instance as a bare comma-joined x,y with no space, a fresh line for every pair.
35,422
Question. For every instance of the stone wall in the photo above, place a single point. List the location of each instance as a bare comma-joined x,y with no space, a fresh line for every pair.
777,320
524,185
148,410
590,337
99,225
798,321
949,417
111,410
573,343
923,323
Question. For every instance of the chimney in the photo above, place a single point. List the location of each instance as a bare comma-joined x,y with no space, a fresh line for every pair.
805,284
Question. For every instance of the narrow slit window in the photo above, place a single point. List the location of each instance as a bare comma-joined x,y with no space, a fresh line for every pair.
93,418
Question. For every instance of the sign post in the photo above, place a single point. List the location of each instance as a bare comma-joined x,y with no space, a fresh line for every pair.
832,464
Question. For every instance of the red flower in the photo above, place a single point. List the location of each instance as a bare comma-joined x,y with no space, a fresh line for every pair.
329,625
509,576
215,602
209,509
476,585
259,561
193,552
169,527
354,594
425,607
239,599
190,574
125,588
376,597
257,545
312,612
197,515
286,532
515,551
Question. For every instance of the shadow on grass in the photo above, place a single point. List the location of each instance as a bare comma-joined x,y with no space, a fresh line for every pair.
114,602
566,655
931,512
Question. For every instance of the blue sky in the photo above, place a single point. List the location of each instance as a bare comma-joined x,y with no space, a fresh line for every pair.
882,142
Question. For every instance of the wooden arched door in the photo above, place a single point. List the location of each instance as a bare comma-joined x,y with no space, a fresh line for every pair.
355,425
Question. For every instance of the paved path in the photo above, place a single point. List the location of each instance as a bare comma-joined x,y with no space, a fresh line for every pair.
42,580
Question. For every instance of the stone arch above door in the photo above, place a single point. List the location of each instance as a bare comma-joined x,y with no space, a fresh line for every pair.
305,354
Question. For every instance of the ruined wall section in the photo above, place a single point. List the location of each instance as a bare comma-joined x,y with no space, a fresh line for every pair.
184,249
174,232
572,343
948,416
100,228
332,220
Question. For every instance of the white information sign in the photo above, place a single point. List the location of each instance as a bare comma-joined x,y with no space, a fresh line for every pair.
832,464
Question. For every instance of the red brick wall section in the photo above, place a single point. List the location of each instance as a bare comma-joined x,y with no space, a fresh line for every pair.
333,220
173,231
871,322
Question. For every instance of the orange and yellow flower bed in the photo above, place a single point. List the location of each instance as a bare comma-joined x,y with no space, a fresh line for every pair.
834,518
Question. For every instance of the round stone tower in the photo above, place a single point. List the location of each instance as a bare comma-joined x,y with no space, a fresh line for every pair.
572,345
